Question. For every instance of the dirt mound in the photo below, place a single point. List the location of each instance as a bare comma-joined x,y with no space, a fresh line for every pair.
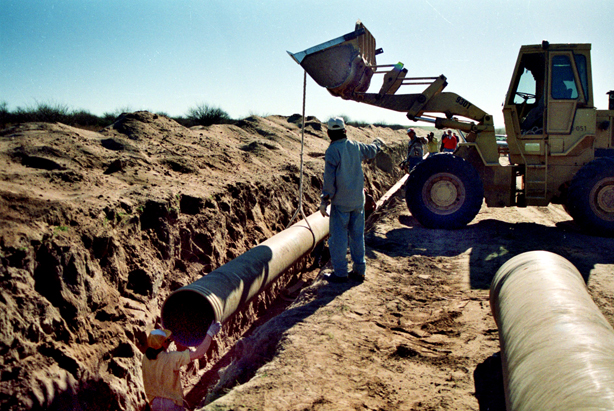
97,228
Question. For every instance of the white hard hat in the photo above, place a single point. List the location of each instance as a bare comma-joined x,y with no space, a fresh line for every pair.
336,123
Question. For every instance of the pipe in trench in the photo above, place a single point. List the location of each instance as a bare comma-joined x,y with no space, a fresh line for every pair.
557,348
189,310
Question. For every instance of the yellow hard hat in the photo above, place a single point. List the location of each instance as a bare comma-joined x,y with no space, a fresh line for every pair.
157,338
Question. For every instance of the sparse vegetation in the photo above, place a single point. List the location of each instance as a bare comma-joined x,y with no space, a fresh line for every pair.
355,123
202,114
52,113
58,229
206,115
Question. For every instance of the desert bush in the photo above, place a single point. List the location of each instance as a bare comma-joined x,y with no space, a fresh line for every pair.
356,123
84,118
52,113
109,118
206,115
348,121
46,112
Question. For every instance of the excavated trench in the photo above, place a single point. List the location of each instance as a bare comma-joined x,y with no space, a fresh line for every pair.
197,300
197,303
85,276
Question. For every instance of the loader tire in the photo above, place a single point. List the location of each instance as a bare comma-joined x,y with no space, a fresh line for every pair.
444,191
590,198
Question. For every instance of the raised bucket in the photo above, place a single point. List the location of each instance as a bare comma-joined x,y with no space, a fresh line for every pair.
343,65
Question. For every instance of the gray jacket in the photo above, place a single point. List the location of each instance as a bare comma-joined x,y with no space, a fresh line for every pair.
343,176
415,149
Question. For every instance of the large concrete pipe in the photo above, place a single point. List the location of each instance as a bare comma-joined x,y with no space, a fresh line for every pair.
188,311
557,347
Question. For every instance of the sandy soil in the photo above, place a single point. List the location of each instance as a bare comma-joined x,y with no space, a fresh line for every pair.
97,228
418,334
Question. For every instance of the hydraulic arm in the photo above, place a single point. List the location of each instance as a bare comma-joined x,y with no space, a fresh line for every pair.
346,65
560,146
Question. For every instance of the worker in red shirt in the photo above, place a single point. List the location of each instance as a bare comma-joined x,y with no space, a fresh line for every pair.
449,142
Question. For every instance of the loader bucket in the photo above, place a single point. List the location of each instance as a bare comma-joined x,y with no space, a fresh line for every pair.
343,65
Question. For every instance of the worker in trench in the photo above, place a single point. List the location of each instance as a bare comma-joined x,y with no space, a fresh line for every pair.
343,190
415,151
162,368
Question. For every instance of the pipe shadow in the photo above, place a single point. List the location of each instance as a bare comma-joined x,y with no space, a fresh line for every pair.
488,381
491,243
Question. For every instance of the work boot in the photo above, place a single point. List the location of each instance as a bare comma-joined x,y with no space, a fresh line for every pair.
332,278
352,275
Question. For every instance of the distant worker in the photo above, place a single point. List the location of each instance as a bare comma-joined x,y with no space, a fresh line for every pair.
456,137
343,189
161,368
415,151
448,142
432,147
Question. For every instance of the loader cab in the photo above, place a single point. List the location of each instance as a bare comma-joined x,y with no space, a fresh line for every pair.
549,105
527,95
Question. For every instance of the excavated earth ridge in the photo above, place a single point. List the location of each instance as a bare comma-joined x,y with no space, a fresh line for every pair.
97,228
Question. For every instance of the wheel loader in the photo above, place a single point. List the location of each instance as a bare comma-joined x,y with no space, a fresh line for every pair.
561,148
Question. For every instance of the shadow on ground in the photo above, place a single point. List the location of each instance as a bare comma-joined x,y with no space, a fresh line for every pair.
490,243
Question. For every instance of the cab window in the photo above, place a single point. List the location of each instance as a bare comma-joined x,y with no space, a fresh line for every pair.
563,81
529,83
582,72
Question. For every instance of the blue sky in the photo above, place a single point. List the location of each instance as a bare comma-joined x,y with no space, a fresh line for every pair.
170,56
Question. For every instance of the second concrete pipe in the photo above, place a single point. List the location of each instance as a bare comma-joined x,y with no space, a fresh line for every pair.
557,348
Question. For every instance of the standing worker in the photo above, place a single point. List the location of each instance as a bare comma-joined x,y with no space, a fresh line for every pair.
161,368
344,189
431,146
448,142
415,151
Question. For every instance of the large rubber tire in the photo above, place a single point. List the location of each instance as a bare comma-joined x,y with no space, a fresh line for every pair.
444,191
590,198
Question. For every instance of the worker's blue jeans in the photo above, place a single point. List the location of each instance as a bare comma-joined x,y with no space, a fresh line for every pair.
347,227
